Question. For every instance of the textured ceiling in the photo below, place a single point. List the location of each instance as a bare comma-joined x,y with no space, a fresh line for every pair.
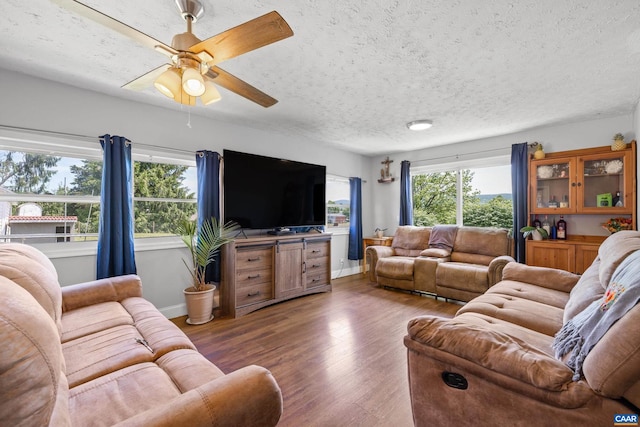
355,72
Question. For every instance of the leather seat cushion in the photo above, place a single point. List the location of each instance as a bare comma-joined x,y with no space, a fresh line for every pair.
468,277
396,267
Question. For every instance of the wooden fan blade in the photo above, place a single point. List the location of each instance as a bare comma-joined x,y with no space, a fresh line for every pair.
242,88
244,38
147,79
99,17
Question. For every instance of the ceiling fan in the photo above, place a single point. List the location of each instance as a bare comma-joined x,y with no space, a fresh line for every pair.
193,69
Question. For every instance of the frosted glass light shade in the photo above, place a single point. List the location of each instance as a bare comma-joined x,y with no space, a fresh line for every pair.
210,94
169,83
192,82
185,99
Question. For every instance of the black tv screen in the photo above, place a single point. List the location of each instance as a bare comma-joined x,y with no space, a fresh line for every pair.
266,192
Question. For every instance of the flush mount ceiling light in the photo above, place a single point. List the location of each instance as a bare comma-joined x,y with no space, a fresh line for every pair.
420,124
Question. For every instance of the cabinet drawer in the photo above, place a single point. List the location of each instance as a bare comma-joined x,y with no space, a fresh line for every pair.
315,265
317,250
318,278
254,258
253,294
254,276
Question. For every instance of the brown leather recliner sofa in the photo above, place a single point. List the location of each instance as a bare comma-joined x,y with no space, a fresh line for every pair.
494,364
98,354
467,268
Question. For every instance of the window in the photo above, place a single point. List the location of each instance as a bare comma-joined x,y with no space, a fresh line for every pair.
338,203
50,192
474,193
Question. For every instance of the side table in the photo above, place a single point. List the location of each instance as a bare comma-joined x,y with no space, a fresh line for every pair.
373,241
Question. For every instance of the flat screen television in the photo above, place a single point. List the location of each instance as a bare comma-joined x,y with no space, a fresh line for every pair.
269,193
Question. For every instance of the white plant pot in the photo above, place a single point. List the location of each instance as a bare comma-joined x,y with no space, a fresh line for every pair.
199,305
535,235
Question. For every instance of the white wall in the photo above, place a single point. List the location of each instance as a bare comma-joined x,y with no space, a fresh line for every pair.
44,105
593,133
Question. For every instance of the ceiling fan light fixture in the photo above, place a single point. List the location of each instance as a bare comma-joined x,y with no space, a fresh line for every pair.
169,83
210,94
420,125
192,82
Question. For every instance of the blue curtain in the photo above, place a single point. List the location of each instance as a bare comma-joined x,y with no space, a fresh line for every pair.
355,219
208,169
519,189
406,198
116,254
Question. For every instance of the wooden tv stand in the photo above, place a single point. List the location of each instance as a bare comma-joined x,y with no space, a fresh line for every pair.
264,270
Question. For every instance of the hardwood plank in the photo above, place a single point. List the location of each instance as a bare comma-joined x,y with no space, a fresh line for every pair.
338,356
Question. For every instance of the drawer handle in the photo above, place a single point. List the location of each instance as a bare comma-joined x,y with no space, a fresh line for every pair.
253,294
253,277
315,280
315,251
253,259
315,266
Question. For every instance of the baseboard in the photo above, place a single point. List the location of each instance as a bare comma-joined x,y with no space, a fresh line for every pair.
174,311
335,274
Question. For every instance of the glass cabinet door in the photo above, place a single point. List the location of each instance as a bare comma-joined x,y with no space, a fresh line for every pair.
602,182
552,190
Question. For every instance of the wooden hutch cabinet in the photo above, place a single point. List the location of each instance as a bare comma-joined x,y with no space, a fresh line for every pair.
264,270
594,181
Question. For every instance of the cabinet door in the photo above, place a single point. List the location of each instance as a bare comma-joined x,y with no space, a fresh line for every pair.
551,254
600,177
289,269
553,186
585,255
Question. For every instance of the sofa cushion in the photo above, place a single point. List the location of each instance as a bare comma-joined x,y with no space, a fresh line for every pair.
103,352
492,242
409,240
529,314
614,250
119,395
397,267
527,291
471,258
33,387
32,270
470,277
587,290
94,318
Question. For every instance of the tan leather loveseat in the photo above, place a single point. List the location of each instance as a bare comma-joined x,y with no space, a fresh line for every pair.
473,262
98,354
493,364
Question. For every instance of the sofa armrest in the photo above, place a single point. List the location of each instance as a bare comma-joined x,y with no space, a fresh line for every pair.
496,267
247,397
102,290
472,340
375,253
550,278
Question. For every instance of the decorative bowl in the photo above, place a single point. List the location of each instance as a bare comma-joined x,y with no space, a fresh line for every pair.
614,166
545,172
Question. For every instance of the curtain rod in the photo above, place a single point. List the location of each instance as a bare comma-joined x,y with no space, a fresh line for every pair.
89,138
457,156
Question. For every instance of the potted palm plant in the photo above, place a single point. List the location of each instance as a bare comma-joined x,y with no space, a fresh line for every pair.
203,244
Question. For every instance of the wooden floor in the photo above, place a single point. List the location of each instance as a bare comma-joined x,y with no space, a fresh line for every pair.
338,357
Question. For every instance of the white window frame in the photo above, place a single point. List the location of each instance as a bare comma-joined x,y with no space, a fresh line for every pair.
458,167
336,230
48,143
